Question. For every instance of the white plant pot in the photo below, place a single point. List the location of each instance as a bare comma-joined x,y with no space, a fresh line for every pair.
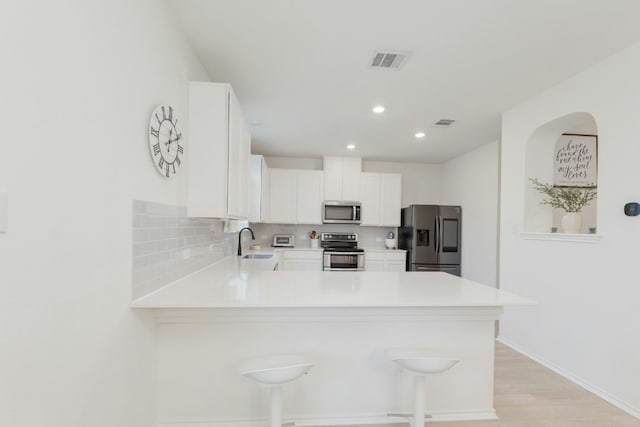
315,243
571,222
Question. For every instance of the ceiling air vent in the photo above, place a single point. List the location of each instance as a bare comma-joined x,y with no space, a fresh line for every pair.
389,59
443,123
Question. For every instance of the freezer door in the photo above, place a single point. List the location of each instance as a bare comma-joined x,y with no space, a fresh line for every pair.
453,269
424,234
448,233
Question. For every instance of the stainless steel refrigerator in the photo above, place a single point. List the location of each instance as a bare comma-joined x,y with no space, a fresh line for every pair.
431,235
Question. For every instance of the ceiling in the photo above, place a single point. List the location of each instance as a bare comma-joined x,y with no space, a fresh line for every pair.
300,68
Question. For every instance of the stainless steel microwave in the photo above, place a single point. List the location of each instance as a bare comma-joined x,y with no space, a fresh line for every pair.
341,212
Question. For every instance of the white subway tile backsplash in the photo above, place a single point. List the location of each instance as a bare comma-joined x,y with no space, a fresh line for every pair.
161,234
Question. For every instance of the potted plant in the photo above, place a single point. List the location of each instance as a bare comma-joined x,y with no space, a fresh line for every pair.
571,200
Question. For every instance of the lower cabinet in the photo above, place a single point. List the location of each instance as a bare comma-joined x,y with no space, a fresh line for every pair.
385,260
301,260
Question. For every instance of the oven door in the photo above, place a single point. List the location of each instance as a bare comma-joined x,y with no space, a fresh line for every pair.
343,261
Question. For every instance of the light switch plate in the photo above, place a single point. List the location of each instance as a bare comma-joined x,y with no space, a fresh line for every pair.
4,208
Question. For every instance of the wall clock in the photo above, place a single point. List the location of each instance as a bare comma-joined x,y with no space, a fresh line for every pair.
165,140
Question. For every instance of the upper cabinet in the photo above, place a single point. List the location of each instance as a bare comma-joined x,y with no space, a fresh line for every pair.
310,196
381,198
283,187
342,178
258,189
219,149
295,196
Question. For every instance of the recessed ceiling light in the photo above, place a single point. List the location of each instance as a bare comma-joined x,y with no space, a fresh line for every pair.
420,135
378,109
351,147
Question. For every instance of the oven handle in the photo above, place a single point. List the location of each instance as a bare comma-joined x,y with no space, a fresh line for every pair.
343,269
343,253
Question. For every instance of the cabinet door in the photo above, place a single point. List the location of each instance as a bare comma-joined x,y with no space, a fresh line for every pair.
256,175
390,199
395,266
239,148
282,195
332,178
301,265
302,260
207,150
351,169
310,196
370,198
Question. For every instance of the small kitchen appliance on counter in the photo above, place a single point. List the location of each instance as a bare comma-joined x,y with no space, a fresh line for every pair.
341,252
284,241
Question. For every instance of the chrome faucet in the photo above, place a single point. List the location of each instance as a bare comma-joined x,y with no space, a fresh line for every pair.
253,237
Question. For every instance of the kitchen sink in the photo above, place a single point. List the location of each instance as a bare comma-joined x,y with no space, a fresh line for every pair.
258,256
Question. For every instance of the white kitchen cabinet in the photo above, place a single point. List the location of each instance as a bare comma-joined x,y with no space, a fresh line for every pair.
239,158
384,260
283,187
380,195
258,189
301,260
295,196
370,198
218,150
390,199
342,178
374,261
310,195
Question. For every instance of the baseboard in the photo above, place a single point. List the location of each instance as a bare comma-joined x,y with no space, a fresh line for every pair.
333,421
635,412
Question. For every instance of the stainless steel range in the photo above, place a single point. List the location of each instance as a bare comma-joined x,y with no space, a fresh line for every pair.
341,252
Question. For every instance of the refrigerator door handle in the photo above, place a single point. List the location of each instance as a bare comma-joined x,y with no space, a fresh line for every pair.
440,233
436,237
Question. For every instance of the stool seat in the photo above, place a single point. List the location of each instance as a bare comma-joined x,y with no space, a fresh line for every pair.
419,363
273,371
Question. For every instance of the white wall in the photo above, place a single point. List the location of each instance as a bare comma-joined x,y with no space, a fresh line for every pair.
471,180
79,81
586,323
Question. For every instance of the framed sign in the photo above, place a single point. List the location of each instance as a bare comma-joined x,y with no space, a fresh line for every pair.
575,162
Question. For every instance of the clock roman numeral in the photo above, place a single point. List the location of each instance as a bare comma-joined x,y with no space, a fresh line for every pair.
174,168
180,149
167,170
164,116
170,114
158,119
155,132
161,162
178,161
156,149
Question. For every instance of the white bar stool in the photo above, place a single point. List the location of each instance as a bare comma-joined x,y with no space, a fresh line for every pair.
273,372
419,363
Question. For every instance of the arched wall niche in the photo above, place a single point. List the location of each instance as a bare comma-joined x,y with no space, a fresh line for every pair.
540,163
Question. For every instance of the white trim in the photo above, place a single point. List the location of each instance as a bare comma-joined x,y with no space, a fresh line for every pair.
635,412
330,315
563,237
334,421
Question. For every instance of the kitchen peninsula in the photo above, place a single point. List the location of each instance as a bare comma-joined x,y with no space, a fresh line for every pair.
343,322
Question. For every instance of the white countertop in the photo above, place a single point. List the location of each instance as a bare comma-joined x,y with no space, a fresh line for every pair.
236,283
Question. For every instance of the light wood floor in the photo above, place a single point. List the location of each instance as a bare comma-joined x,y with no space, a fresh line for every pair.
530,395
